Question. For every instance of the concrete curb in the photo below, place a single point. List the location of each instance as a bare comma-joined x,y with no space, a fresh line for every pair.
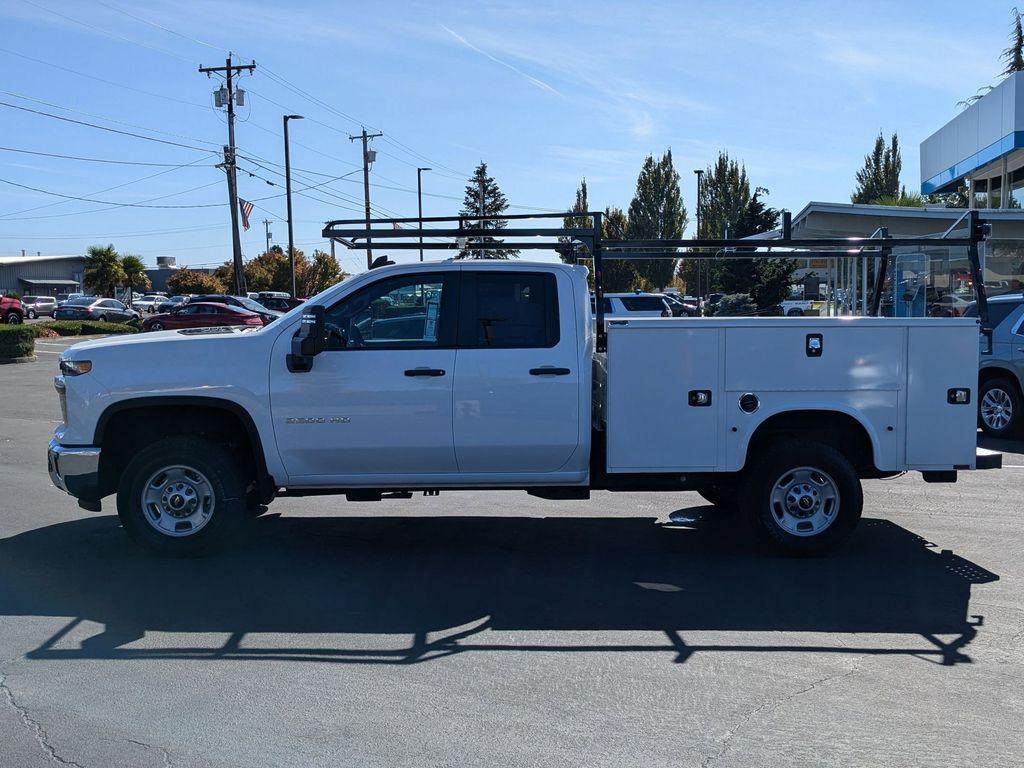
15,360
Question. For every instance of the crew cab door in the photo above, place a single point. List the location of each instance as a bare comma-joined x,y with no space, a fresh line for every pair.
377,403
517,376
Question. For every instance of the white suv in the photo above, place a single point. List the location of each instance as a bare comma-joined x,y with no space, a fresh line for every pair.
636,304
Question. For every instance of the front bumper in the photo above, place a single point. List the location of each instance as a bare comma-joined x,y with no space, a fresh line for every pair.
75,470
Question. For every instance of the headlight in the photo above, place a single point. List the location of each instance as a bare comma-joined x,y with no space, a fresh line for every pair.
75,367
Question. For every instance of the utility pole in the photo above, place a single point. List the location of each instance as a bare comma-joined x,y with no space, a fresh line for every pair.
419,202
266,227
288,195
366,184
226,97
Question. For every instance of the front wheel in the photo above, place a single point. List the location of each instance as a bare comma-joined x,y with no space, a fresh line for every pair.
182,496
12,318
999,407
805,497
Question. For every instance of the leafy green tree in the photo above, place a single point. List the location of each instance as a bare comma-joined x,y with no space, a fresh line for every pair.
494,204
657,212
103,270
319,274
134,274
735,305
880,176
191,281
620,275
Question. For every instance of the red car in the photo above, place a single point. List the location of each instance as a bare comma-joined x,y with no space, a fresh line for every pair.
11,311
202,315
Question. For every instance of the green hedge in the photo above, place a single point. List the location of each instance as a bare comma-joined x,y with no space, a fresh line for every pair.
86,327
17,341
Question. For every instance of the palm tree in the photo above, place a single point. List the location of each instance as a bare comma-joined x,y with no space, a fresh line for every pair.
134,274
103,270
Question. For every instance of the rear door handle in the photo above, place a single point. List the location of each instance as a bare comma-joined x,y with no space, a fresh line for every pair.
549,370
424,372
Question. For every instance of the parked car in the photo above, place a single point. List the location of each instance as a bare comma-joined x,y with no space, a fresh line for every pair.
147,302
1001,378
173,302
795,307
64,298
636,304
280,303
38,305
268,315
94,308
680,307
202,315
11,310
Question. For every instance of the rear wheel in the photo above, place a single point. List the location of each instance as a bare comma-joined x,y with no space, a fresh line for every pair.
156,325
182,496
804,497
999,407
102,318
795,313
31,314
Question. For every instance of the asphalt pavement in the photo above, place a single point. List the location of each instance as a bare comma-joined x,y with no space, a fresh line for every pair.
501,630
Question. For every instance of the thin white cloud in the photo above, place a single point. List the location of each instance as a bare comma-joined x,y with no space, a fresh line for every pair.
530,78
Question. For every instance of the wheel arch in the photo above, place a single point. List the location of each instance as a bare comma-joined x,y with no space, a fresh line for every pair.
842,428
153,417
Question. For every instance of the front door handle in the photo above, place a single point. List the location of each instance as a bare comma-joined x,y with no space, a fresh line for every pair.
549,370
424,372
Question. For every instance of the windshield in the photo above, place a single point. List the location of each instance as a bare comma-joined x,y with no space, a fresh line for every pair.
250,304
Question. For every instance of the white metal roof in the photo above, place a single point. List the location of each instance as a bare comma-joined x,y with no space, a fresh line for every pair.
5,260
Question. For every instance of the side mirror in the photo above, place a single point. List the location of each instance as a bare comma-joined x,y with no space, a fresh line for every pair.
309,341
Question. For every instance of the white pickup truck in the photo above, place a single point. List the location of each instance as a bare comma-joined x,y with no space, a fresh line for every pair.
483,375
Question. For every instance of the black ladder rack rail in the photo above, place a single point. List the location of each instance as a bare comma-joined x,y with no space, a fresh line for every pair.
448,233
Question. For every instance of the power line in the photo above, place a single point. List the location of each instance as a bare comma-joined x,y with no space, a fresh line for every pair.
149,233
101,127
102,80
121,205
97,159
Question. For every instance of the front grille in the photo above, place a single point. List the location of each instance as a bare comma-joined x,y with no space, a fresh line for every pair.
62,395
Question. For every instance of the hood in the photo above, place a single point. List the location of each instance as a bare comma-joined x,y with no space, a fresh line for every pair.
186,341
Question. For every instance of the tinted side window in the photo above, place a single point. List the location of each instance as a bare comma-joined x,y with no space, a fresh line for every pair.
643,303
509,309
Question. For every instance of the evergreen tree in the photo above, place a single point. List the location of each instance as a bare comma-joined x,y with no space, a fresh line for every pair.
103,270
657,212
565,249
494,204
880,176
1014,55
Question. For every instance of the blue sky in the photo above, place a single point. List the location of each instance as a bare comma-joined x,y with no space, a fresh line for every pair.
545,93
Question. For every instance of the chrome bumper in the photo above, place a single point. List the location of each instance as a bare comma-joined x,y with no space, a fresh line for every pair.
74,470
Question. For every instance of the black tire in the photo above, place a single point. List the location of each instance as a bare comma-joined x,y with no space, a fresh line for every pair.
721,496
795,313
156,326
31,314
102,318
227,481
789,533
1003,391
12,318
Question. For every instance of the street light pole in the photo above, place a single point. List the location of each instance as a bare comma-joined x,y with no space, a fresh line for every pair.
419,201
288,196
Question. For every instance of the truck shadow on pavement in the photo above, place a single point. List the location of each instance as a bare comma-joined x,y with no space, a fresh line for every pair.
438,583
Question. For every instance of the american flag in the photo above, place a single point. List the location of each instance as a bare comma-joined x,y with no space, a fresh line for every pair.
246,208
